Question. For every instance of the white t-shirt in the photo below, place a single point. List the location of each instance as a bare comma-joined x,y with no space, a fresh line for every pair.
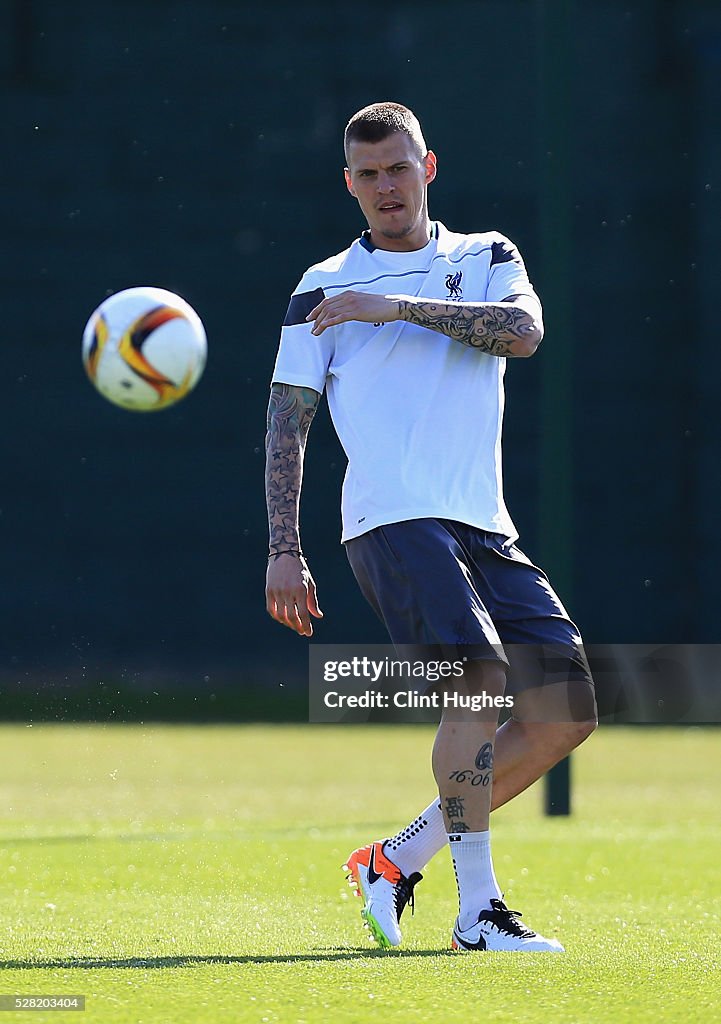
418,414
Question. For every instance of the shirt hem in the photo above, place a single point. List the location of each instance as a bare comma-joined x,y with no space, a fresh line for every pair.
403,517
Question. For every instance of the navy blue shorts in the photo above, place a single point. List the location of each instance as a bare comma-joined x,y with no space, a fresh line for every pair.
443,583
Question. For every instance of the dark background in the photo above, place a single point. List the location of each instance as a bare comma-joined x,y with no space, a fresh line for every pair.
197,146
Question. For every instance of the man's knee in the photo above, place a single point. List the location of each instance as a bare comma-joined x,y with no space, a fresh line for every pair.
570,735
580,731
560,737
568,707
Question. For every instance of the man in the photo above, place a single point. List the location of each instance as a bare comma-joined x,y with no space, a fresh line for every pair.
410,329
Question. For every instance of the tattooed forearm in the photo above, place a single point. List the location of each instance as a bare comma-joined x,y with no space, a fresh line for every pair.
290,412
505,328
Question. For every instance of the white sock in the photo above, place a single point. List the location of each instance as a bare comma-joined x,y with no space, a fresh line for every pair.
476,880
414,845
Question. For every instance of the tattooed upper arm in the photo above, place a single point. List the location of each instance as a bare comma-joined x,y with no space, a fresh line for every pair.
291,408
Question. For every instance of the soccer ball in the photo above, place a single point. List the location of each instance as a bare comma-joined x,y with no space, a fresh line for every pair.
144,349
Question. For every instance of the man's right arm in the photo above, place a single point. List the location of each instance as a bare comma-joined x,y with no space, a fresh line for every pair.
290,590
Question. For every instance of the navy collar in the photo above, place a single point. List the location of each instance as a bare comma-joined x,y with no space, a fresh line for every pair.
365,238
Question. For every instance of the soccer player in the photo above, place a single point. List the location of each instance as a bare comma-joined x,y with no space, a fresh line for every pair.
409,329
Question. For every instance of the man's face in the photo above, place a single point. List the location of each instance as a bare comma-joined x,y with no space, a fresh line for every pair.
389,180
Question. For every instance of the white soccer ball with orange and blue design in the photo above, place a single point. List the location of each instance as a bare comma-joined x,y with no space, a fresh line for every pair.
144,349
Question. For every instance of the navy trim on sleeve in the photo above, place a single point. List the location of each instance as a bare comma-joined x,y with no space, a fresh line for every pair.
300,306
504,252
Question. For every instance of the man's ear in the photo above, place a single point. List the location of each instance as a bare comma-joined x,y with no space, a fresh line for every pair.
431,165
348,182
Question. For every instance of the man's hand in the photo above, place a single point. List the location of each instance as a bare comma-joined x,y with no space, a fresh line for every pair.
290,593
339,309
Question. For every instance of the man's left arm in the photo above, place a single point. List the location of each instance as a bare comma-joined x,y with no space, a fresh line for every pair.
512,327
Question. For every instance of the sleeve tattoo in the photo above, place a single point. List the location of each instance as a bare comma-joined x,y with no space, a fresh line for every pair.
507,328
290,412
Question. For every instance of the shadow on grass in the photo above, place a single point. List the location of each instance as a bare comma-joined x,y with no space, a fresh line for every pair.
322,955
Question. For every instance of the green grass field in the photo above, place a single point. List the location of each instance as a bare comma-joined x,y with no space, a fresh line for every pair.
192,874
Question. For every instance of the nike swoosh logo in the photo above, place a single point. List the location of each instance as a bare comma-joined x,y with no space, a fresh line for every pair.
481,944
373,875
